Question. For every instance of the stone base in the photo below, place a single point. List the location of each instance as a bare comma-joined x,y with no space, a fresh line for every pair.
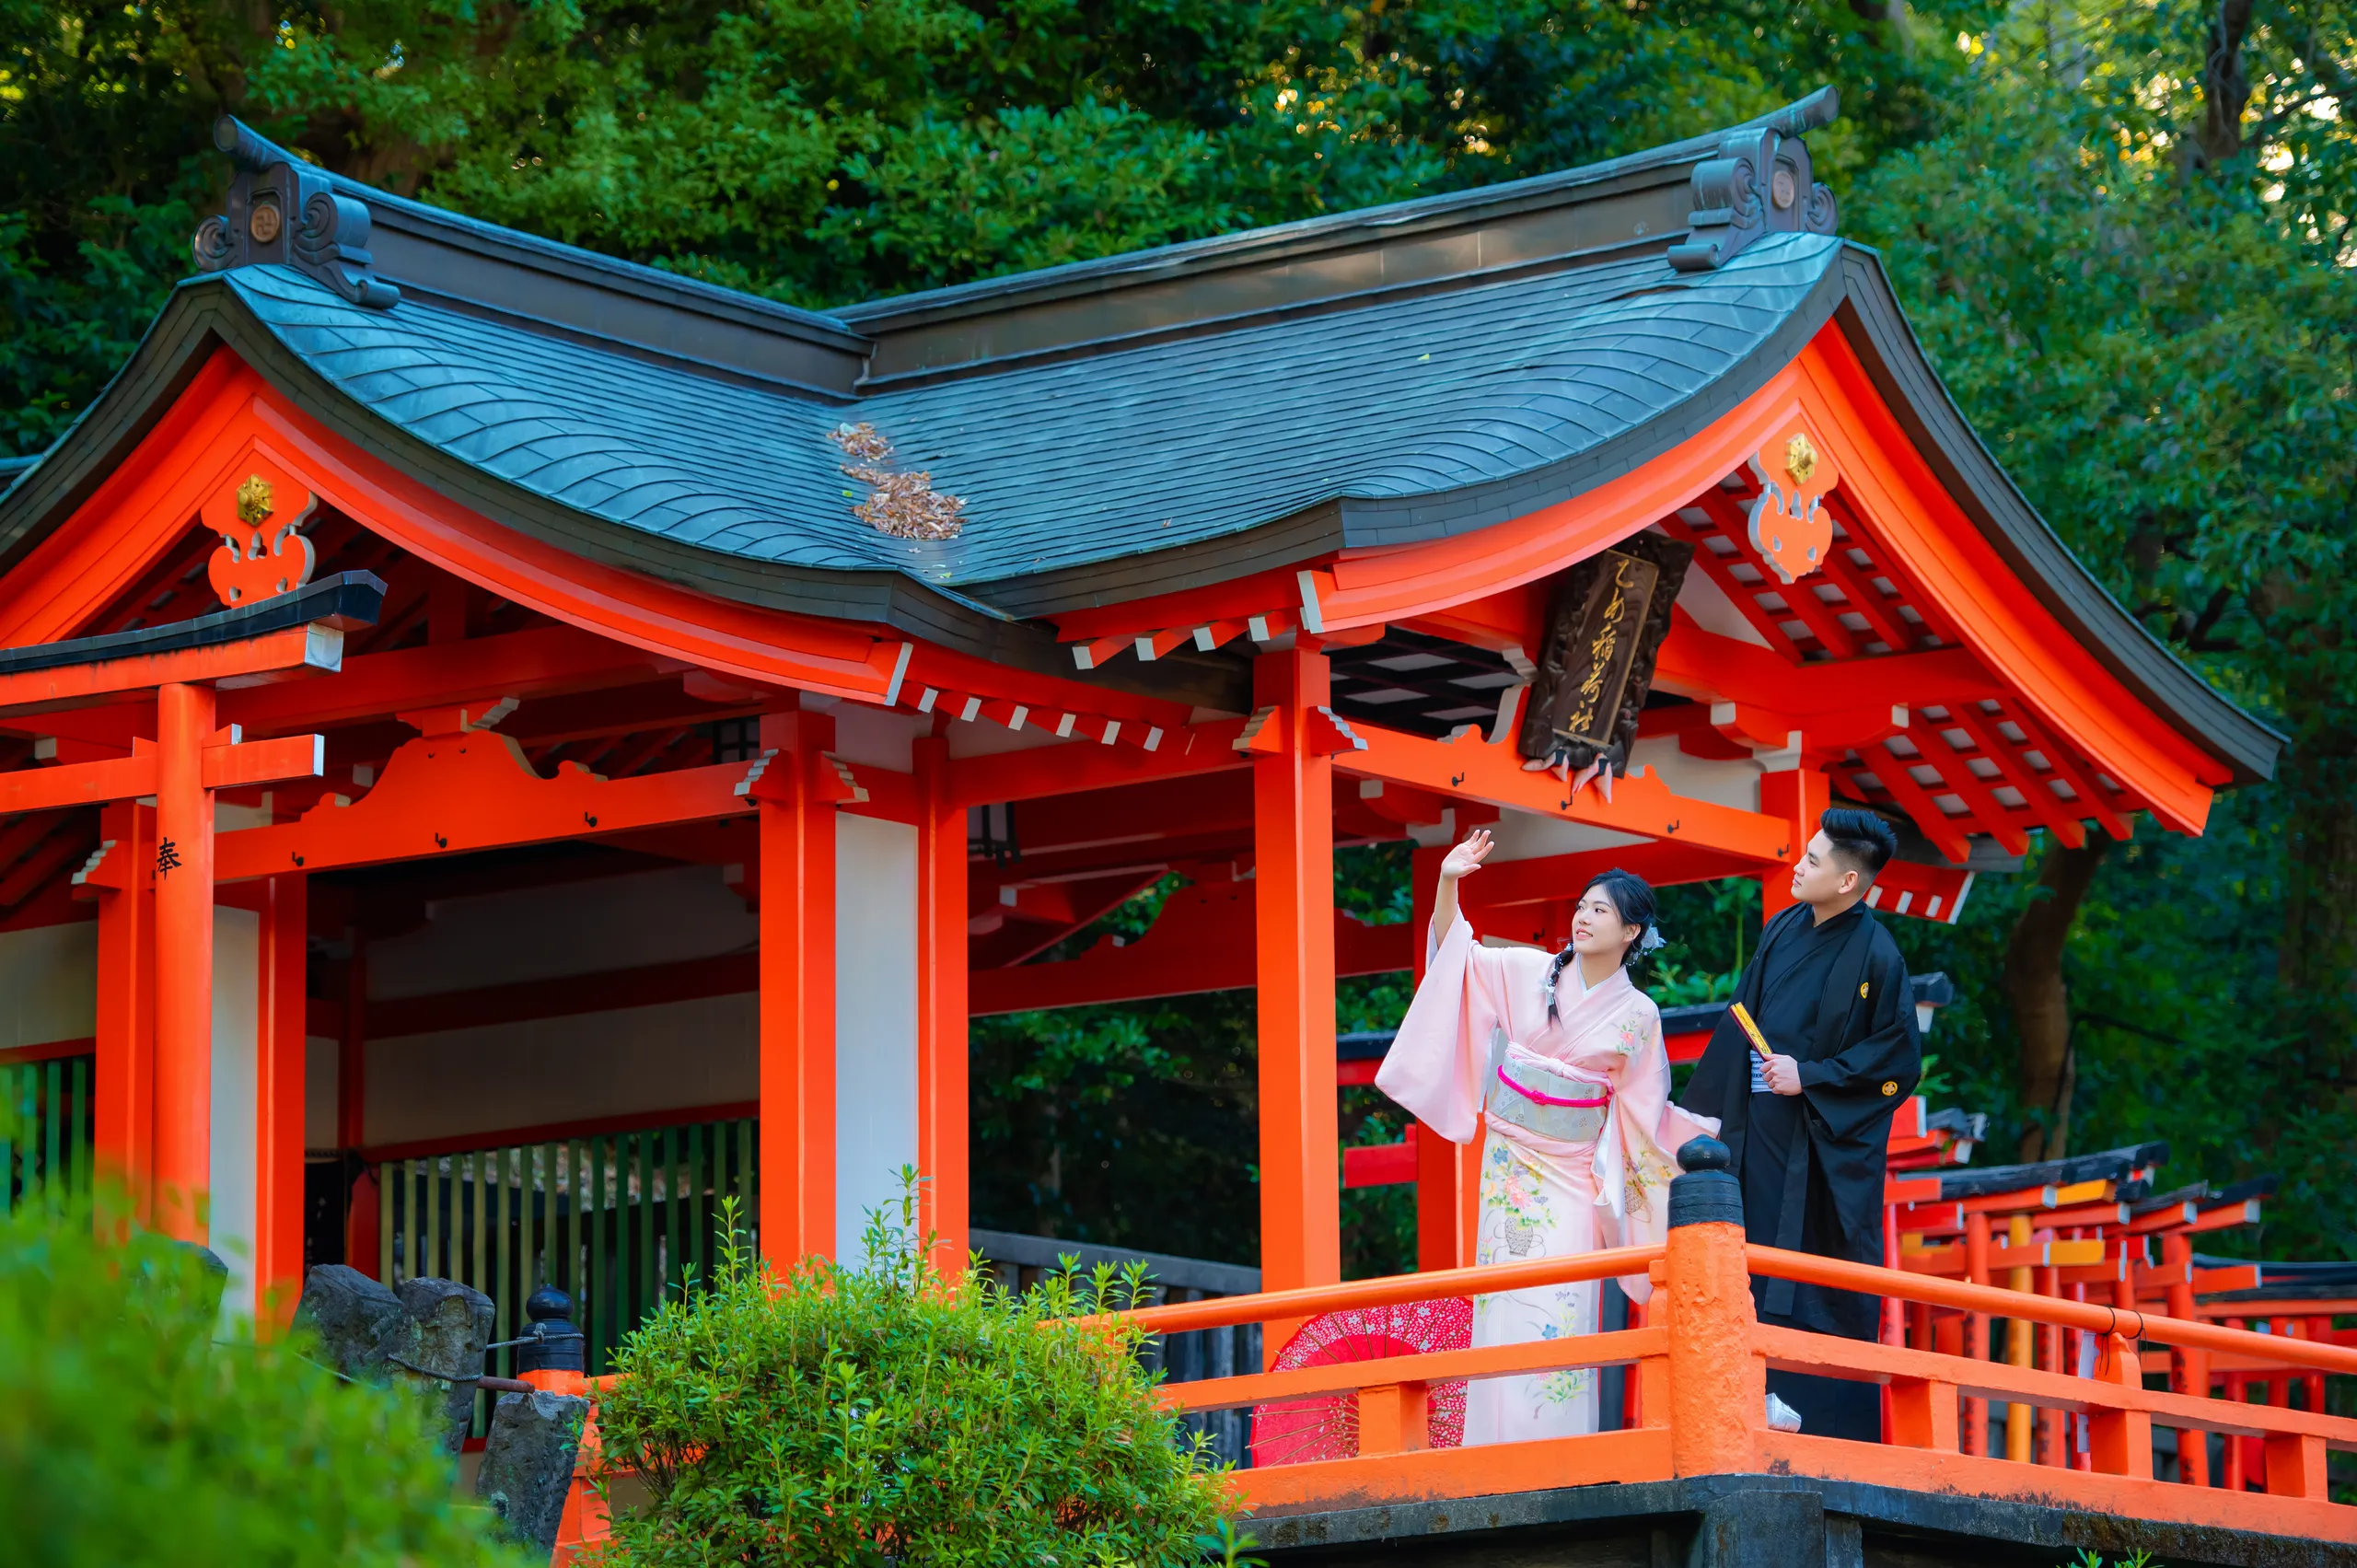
1754,1521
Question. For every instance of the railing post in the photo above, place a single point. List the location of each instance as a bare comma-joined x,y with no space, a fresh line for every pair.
553,1362
1718,1382
2295,1466
1976,1329
1923,1415
2120,1441
1393,1418
2189,1369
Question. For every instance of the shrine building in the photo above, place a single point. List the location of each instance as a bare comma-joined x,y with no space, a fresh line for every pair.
463,693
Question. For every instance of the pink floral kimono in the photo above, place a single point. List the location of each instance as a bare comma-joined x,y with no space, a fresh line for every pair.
1477,1027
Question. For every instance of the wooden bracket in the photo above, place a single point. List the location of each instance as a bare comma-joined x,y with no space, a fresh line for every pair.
462,719
1326,733
1260,737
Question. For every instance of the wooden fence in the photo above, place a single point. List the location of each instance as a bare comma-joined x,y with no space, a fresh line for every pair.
618,1220
45,1130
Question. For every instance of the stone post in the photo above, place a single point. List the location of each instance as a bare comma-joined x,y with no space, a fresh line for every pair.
1718,1383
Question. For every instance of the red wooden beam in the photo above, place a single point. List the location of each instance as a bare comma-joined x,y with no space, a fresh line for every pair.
1203,940
1926,892
1503,884
34,872
544,662
1891,770
2037,790
228,766
2092,800
1742,595
1065,769
294,651
1471,768
1881,614
452,794
1983,808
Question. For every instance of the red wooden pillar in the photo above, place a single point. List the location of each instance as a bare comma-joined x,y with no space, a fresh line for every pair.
124,1126
942,1108
362,1238
1292,824
798,976
352,1048
1800,797
1447,1175
2189,1369
1976,1329
279,1034
183,866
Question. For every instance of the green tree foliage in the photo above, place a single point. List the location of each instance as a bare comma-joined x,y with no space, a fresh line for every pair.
139,1430
883,1414
2124,233
2150,318
824,151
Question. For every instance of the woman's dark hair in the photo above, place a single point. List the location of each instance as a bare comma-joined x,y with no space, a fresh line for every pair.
1632,901
1864,840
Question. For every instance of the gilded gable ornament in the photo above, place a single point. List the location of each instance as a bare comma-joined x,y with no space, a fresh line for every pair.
1789,524
263,553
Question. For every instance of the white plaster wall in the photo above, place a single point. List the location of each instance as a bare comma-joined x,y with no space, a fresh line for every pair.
234,1169
1523,835
1701,597
877,737
49,983
1730,783
876,1018
671,1057
653,917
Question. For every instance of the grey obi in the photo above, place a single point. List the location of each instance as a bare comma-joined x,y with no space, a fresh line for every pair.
1542,1098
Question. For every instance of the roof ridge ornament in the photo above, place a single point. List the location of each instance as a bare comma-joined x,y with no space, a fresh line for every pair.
1761,182
281,210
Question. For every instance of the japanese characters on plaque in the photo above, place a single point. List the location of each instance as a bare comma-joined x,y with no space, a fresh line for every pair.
1604,632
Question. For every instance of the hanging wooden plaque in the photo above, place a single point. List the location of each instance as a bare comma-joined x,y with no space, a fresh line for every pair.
1604,633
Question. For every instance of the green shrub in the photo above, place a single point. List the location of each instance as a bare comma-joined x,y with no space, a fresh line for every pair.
134,1431
885,1413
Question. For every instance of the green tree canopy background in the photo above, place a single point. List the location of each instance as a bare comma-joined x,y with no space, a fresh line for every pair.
2122,230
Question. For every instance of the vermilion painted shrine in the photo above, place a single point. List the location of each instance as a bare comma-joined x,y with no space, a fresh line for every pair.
468,694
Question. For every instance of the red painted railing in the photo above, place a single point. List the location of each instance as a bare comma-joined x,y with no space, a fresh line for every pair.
1699,1364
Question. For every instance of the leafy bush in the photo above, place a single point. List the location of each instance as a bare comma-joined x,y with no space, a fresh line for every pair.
887,1413
132,1434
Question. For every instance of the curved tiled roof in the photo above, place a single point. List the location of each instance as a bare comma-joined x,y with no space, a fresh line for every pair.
1115,429
1088,461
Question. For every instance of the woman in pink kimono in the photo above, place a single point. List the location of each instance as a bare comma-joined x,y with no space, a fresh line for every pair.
1562,1058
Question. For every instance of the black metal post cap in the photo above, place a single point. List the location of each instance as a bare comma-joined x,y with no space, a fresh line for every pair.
552,1343
1708,1193
1703,1153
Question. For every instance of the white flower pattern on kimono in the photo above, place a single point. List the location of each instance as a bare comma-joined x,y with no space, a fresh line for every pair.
1512,1185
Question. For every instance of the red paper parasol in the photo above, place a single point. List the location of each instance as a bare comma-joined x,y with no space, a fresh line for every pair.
1326,1427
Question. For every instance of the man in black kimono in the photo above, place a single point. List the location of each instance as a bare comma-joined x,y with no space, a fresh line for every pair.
1809,1127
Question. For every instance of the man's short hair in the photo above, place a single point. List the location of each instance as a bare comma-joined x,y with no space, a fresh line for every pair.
1864,840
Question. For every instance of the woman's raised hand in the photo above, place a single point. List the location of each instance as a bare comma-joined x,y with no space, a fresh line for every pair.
1467,857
